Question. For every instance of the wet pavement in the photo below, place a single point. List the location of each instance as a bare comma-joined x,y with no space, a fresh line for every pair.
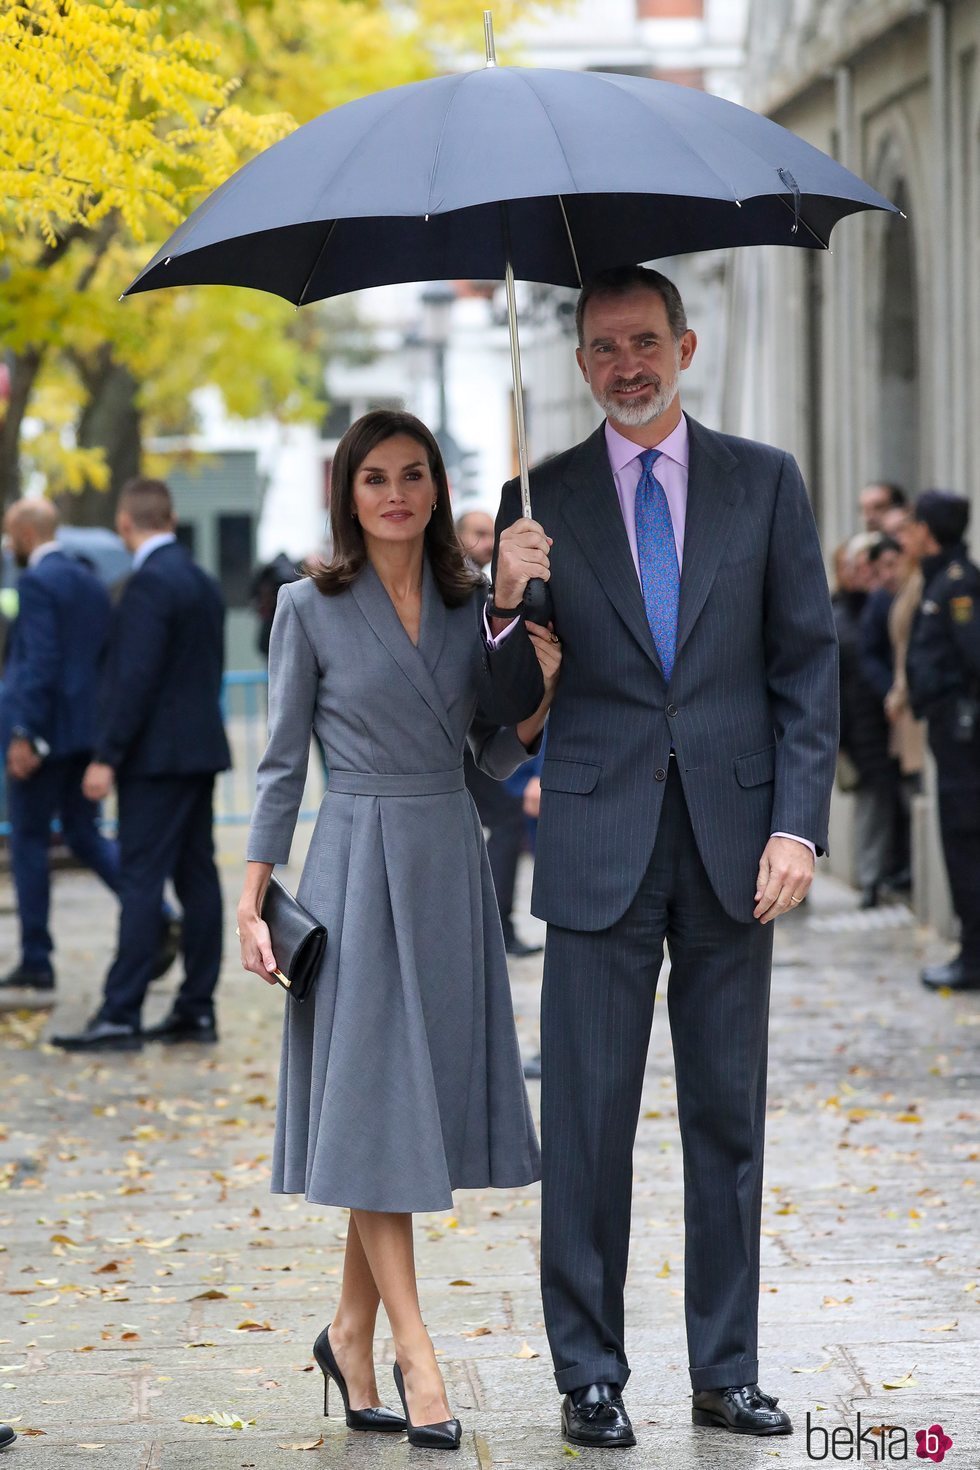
147,1276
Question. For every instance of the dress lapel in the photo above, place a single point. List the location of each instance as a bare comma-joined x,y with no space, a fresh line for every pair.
592,513
416,663
713,496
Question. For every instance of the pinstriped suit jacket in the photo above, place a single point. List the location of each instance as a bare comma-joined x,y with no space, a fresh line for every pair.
752,707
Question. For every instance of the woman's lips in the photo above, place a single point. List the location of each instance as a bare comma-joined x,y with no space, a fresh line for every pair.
396,515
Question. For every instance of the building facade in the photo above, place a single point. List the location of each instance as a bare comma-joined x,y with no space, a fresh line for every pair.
863,361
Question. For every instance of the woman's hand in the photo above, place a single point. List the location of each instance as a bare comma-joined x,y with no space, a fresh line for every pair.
253,931
548,650
547,647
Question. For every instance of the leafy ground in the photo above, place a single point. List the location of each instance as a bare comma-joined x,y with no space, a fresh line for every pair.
158,1305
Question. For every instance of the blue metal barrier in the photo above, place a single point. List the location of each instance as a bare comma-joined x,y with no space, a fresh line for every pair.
244,707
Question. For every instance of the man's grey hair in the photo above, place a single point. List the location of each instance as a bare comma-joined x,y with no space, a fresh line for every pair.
626,278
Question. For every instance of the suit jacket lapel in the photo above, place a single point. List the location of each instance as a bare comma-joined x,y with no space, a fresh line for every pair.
713,496
592,512
379,612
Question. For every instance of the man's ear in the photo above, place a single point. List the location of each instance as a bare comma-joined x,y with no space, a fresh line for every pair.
580,359
689,345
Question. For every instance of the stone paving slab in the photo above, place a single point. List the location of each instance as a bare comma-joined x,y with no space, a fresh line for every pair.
138,1238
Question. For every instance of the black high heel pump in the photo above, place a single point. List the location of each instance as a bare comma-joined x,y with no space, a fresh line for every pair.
382,1421
445,1436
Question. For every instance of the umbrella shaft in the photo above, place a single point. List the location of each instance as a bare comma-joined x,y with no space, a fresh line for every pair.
515,363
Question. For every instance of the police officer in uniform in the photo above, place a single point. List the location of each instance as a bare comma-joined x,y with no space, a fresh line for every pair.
943,668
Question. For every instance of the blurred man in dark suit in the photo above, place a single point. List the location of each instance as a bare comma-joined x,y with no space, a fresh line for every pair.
161,741
47,725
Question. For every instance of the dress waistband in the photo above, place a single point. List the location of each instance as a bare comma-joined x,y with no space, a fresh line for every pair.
375,783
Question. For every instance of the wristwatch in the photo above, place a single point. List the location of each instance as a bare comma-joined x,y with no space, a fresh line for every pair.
37,743
493,611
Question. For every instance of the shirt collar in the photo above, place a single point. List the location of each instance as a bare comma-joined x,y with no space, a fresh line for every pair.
165,538
40,552
622,450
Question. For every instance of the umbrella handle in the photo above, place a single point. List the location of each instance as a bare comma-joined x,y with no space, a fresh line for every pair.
537,604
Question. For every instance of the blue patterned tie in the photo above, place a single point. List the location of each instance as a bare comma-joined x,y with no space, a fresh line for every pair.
660,575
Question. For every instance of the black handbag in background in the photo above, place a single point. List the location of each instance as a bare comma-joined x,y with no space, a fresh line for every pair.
298,941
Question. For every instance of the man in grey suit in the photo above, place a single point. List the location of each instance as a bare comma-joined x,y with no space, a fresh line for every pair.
685,795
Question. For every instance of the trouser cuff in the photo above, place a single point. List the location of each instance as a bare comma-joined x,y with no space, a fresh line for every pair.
594,1370
733,1373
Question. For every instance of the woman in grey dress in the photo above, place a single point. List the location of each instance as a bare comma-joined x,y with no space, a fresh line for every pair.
401,1078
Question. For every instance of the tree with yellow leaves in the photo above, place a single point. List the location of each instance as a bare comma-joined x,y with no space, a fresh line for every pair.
115,121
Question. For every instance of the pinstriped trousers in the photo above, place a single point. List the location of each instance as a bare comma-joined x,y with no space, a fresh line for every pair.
597,1010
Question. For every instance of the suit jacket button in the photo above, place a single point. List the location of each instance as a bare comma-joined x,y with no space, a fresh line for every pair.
660,775
671,710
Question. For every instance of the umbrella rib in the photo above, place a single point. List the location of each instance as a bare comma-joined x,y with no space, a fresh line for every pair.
442,133
316,263
824,244
571,242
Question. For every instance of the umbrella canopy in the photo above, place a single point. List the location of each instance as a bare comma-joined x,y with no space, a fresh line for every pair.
597,170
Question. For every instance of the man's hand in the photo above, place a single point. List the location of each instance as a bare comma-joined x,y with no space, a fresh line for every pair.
22,760
521,556
532,798
97,781
785,875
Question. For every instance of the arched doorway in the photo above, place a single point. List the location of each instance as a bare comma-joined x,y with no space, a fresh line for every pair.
899,446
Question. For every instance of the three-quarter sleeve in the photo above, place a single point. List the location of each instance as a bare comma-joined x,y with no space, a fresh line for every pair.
497,749
294,675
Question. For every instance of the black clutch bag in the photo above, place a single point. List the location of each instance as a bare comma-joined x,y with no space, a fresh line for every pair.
298,941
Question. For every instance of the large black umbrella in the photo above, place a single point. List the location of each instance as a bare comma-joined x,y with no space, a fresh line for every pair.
544,175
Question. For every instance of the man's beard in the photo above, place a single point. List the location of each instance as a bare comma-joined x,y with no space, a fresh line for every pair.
643,411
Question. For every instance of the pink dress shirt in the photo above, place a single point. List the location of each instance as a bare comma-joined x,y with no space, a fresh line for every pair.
670,470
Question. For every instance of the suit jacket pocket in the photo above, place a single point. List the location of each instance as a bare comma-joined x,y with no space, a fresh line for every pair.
757,767
577,777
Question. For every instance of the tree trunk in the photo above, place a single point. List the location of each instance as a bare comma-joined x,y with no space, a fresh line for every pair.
111,420
24,368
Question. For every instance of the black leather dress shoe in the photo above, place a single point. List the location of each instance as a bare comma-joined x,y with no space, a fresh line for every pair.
7,1436
24,979
171,935
743,1410
520,950
101,1036
178,1027
595,1416
954,975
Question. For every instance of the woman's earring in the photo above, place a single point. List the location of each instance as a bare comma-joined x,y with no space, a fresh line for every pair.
435,505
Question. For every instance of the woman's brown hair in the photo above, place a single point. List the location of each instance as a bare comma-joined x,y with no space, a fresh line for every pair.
454,576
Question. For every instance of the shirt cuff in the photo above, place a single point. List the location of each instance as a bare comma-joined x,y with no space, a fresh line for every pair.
793,838
493,642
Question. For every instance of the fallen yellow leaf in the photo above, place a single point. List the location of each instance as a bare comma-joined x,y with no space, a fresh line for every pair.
309,1444
527,1351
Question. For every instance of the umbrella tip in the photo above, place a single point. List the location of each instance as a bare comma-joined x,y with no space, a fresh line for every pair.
488,38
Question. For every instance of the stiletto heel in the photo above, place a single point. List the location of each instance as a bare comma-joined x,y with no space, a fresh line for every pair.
445,1436
382,1421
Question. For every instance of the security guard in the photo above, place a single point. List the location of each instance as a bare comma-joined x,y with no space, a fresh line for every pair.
943,668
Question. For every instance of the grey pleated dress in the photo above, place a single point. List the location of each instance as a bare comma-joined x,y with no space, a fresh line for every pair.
401,1077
